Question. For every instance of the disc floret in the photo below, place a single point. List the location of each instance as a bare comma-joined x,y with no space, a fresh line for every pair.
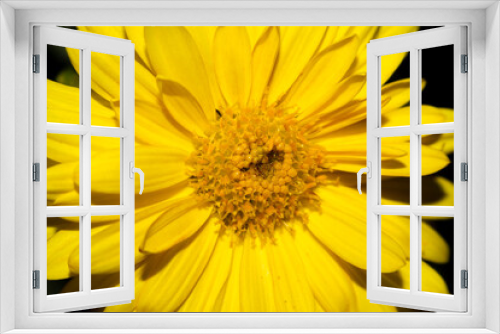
257,169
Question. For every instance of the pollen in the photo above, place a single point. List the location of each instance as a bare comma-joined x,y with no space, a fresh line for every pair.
257,169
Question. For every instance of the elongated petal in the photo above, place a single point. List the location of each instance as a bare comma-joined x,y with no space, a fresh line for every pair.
163,167
59,249
431,280
64,149
322,72
205,294
230,296
343,93
298,46
434,247
257,292
104,81
180,220
264,56
106,243
153,127
183,107
171,276
232,60
204,39
329,282
60,180
136,35
342,229
174,45
291,288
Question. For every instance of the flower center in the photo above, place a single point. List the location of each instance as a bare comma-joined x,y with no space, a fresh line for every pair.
257,169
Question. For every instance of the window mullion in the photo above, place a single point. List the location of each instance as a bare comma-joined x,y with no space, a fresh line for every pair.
414,171
85,166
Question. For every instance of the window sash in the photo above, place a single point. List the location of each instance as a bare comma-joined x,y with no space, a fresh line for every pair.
85,298
414,298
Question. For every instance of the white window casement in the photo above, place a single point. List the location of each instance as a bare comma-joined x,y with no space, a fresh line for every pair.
416,45
476,213
85,131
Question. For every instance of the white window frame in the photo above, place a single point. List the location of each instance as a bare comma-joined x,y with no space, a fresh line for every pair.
86,43
484,50
414,43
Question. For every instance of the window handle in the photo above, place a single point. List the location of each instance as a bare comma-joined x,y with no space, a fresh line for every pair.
368,171
138,171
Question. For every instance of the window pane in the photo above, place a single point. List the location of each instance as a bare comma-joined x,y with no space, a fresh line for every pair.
395,99
395,251
395,162
105,252
438,84
63,255
105,72
63,85
63,169
105,170
437,254
437,170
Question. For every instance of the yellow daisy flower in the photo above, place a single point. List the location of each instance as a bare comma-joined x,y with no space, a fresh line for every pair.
250,138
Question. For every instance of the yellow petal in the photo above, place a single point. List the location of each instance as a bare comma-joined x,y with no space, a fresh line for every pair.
174,45
179,221
136,35
323,71
102,80
342,228
204,39
298,46
63,148
153,127
435,160
401,116
59,249
105,250
183,107
264,57
170,277
434,247
431,280
163,167
443,142
60,180
291,288
330,284
230,296
255,34
398,92
205,294
232,60
329,38
257,293
343,93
